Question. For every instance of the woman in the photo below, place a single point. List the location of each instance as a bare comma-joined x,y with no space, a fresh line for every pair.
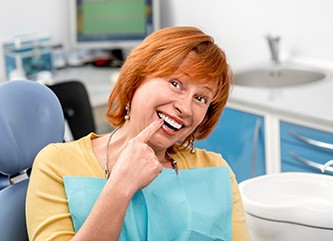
145,180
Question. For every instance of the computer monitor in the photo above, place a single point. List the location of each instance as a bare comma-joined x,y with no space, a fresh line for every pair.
112,24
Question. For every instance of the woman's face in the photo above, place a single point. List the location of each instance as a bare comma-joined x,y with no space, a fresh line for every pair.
181,102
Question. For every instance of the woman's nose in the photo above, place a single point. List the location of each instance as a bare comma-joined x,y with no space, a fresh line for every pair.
184,106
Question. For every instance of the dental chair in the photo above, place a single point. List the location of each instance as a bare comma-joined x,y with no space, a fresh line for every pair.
4,181
74,99
30,118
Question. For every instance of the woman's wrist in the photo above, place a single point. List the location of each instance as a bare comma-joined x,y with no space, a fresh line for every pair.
119,188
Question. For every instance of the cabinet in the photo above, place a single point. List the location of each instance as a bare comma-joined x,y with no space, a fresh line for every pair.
239,138
304,149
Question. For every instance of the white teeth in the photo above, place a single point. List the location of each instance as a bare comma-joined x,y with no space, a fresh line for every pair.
171,122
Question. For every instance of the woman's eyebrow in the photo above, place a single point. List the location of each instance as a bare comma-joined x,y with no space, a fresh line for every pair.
208,87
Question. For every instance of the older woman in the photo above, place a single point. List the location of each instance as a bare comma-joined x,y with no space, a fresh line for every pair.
145,180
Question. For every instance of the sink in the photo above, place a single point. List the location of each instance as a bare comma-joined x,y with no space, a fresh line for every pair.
279,75
287,203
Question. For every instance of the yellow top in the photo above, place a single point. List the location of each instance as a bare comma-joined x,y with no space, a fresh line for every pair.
47,211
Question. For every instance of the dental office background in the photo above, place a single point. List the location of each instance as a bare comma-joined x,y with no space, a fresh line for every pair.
238,26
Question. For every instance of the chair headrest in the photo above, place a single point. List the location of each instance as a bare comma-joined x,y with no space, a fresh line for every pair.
31,117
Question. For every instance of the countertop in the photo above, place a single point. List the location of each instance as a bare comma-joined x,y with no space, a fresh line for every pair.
98,81
311,101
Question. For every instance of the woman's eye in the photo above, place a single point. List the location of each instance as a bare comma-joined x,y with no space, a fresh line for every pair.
202,99
175,83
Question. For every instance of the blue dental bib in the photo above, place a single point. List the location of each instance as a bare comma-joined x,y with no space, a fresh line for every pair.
196,204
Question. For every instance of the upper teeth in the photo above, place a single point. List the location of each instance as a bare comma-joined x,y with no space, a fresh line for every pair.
171,122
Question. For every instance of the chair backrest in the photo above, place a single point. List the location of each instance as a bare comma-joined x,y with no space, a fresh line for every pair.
75,103
30,118
4,181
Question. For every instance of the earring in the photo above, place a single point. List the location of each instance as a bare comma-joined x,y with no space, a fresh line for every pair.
127,108
191,144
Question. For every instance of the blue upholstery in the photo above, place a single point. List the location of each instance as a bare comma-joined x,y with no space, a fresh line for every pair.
4,181
30,118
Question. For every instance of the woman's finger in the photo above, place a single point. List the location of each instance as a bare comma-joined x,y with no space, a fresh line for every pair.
145,135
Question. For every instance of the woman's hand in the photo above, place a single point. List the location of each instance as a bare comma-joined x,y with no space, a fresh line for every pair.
137,165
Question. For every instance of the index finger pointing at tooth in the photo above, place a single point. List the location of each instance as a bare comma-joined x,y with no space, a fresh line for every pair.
145,135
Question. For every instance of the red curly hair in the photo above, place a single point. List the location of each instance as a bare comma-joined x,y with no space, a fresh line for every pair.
160,55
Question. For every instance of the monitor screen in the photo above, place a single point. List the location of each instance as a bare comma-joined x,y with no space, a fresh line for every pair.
112,24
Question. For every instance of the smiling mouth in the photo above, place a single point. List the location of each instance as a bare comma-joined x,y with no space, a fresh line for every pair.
170,123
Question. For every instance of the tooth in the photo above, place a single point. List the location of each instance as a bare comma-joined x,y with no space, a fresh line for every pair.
169,121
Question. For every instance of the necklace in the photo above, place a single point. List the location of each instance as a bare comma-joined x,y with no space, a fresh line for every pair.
173,162
106,167
108,171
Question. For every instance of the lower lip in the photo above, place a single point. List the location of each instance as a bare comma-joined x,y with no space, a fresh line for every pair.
168,131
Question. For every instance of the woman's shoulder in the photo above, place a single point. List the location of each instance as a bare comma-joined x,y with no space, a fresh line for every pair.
54,149
199,159
56,154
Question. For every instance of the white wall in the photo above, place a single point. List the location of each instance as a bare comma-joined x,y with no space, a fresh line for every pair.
19,17
239,26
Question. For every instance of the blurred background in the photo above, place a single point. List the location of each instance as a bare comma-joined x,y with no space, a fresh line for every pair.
239,26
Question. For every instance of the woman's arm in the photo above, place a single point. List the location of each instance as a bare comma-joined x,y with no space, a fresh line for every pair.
47,208
106,219
47,211
240,230
136,167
